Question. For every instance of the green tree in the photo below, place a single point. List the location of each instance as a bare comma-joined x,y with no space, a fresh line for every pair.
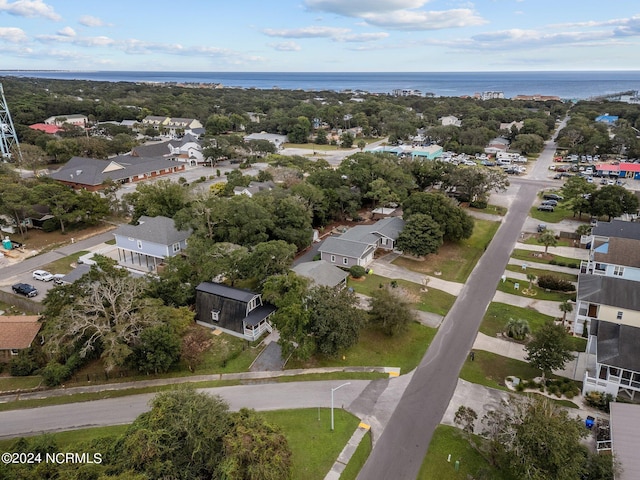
334,319
549,348
565,307
255,450
465,419
182,436
163,197
455,223
528,143
33,157
194,344
346,140
62,201
613,201
420,236
156,350
533,439
268,258
389,312
361,144
321,137
577,192
475,183
548,239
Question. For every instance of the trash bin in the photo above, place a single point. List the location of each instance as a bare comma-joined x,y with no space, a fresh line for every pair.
6,243
590,422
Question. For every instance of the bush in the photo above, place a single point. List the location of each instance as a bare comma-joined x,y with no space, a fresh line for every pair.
572,265
479,204
357,271
54,374
599,400
316,257
554,283
22,365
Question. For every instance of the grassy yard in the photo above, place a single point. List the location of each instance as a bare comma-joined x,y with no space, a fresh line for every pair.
491,210
508,286
434,300
63,265
541,257
563,242
358,459
455,261
538,271
8,384
447,441
498,314
376,349
314,446
559,213
490,369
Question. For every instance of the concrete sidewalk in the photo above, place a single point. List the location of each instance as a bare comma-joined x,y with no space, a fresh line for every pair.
388,270
547,307
570,252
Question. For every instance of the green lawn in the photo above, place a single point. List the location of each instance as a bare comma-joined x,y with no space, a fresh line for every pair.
314,446
455,260
376,349
19,383
63,265
447,441
498,314
538,271
491,210
540,257
358,459
559,213
434,300
490,369
508,286
563,242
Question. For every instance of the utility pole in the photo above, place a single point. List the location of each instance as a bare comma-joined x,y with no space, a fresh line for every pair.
8,137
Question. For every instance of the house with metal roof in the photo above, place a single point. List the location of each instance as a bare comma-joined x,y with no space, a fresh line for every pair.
239,312
322,273
357,245
146,245
91,173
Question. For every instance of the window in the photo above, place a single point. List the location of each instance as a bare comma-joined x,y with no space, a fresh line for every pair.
140,244
618,271
345,261
14,352
215,315
176,247
252,304
619,316
333,259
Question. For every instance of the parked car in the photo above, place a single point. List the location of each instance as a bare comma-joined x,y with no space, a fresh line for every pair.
553,203
25,289
552,196
42,275
542,227
545,208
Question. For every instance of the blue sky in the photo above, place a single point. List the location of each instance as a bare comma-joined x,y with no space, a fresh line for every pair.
320,35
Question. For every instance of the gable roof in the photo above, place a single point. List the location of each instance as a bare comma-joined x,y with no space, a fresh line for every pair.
18,331
346,248
225,291
159,229
619,251
611,291
389,227
321,273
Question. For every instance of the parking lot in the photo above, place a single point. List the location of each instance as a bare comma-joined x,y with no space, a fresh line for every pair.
42,287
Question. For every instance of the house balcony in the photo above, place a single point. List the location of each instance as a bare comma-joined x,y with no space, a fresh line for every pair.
254,332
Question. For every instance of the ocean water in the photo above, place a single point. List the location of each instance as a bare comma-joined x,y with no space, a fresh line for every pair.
567,85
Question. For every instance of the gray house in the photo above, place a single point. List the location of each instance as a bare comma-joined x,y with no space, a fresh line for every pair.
238,312
357,245
322,273
150,242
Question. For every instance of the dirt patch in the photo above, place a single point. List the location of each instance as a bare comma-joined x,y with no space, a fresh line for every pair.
408,295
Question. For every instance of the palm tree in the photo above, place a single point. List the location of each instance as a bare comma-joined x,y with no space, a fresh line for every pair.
517,328
548,239
565,307
531,277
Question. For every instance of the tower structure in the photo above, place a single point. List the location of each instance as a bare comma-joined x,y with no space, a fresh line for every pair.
8,138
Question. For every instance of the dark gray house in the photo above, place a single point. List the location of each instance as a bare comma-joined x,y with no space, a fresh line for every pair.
239,312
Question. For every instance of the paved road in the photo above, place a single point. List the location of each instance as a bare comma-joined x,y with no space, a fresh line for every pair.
404,442
116,411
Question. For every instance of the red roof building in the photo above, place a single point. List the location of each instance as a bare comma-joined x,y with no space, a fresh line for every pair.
43,127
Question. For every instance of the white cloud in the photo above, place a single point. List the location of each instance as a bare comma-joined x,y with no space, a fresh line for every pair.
285,46
358,8
307,32
91,21
422,20
29,8
12,34
67,32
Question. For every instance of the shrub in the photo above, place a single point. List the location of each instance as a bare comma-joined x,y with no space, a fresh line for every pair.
357,271
479,204
520,387
316,257
599,400
54,374
572,265
561,264
552,262
554,283
517,328
22,365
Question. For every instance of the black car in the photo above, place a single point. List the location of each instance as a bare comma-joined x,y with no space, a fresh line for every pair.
552,196
25,289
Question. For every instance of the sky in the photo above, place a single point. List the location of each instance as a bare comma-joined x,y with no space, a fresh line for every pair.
320,35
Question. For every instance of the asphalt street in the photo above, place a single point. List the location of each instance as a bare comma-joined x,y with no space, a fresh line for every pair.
399,452
116,411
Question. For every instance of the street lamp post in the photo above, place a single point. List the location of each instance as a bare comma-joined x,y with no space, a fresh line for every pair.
333,390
